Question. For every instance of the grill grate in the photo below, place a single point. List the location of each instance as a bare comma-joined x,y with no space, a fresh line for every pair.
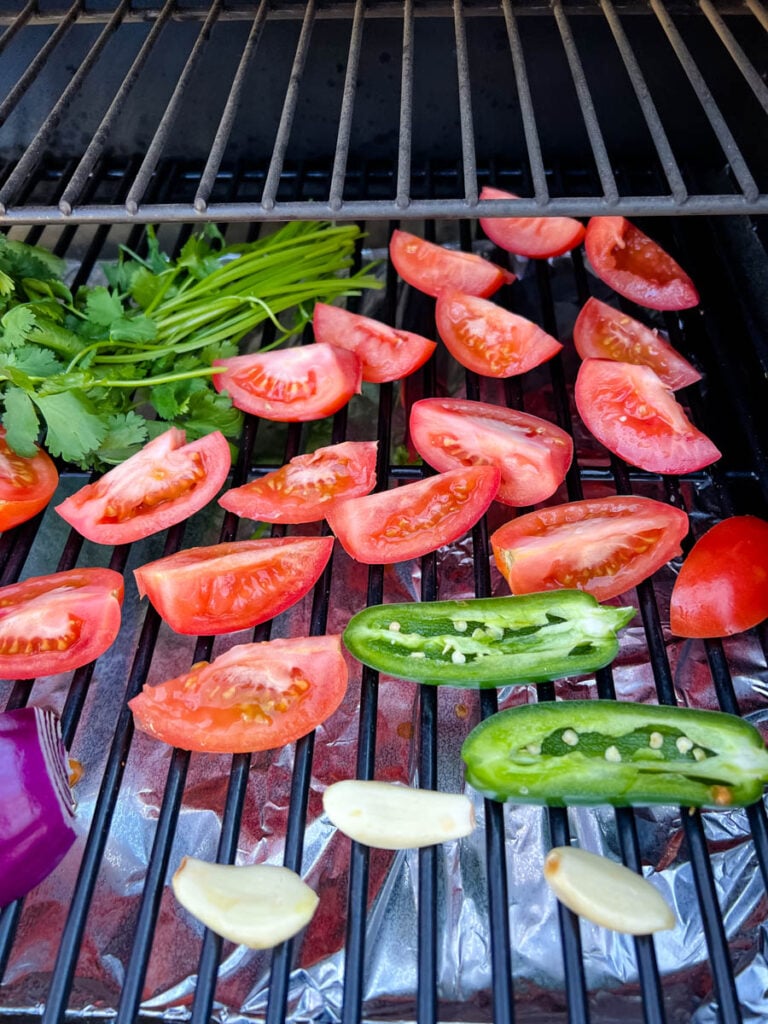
351,82
726,406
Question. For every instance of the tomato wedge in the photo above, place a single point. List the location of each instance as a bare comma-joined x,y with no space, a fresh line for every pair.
432,269
252,697
51,624
386,353
26,484
414,519
164,483
490,340
205,591
629,410
291,385
602,332
604,546
532,454
305,488
636,267
535,237
722,587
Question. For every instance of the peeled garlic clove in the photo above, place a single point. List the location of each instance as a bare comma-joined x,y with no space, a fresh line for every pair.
394,817
605,892
256,905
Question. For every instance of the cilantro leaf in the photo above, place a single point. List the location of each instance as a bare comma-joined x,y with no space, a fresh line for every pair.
126,433
102,307
74,429
33,360
21,422
18,324
136,328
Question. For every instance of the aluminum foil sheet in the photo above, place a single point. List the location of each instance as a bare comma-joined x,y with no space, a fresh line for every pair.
463,939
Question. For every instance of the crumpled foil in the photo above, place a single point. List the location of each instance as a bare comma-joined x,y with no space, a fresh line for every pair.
464,978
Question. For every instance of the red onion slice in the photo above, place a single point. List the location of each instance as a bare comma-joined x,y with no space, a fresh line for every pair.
37,809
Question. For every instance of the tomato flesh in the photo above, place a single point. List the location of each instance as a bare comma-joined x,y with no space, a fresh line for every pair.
386,354
602,332
26,484
628,409
307,486
532,455
55,623
291,385
258,696
604,546
722,587
206,591
636,267
164,483
416,518
431,269
534,237
490,340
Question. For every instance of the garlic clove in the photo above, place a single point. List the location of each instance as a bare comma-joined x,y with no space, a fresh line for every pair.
394,817
256,905
606,892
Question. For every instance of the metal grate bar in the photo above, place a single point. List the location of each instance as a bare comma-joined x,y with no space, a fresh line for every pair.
341,153
469,164
19,21
36,149
98,143
231,108
591,122
745,66
527,113
149,164
405,129
724,135
280,147
759,12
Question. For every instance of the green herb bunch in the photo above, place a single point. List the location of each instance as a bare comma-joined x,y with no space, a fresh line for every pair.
96,374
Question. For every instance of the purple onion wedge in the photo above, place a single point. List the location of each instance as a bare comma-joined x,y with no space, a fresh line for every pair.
37,809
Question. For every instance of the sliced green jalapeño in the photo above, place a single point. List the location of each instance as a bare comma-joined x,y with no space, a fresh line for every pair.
486,642
612,752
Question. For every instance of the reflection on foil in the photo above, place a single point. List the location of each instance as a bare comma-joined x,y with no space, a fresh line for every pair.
464,980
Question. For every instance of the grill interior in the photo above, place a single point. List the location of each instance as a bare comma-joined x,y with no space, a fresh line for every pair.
357,113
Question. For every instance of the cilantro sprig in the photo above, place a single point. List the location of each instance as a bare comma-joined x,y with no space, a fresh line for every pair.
98,373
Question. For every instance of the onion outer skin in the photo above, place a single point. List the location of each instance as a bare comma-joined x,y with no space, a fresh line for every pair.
37,809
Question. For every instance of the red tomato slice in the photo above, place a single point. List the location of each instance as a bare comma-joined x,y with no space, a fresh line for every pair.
303,490
26,484
629,410
635,266
205,591
291,385
161,485
432,269
532,454
414,519
490,340
535,237
602,332
386,354
722,587
51,624
605,546
257,696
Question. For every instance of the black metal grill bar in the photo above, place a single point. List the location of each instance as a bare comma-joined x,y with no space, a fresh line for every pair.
469,164
341,152
405,126
745,66
19,21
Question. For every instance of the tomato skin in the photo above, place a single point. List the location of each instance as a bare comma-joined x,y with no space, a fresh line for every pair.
291,385
490,340
431,268
532,454
306,487
636,267
628,409
387,354
58,622
534,237
26,484
258,696
206,591
602,332
604,546
722,587
414,519
164,483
